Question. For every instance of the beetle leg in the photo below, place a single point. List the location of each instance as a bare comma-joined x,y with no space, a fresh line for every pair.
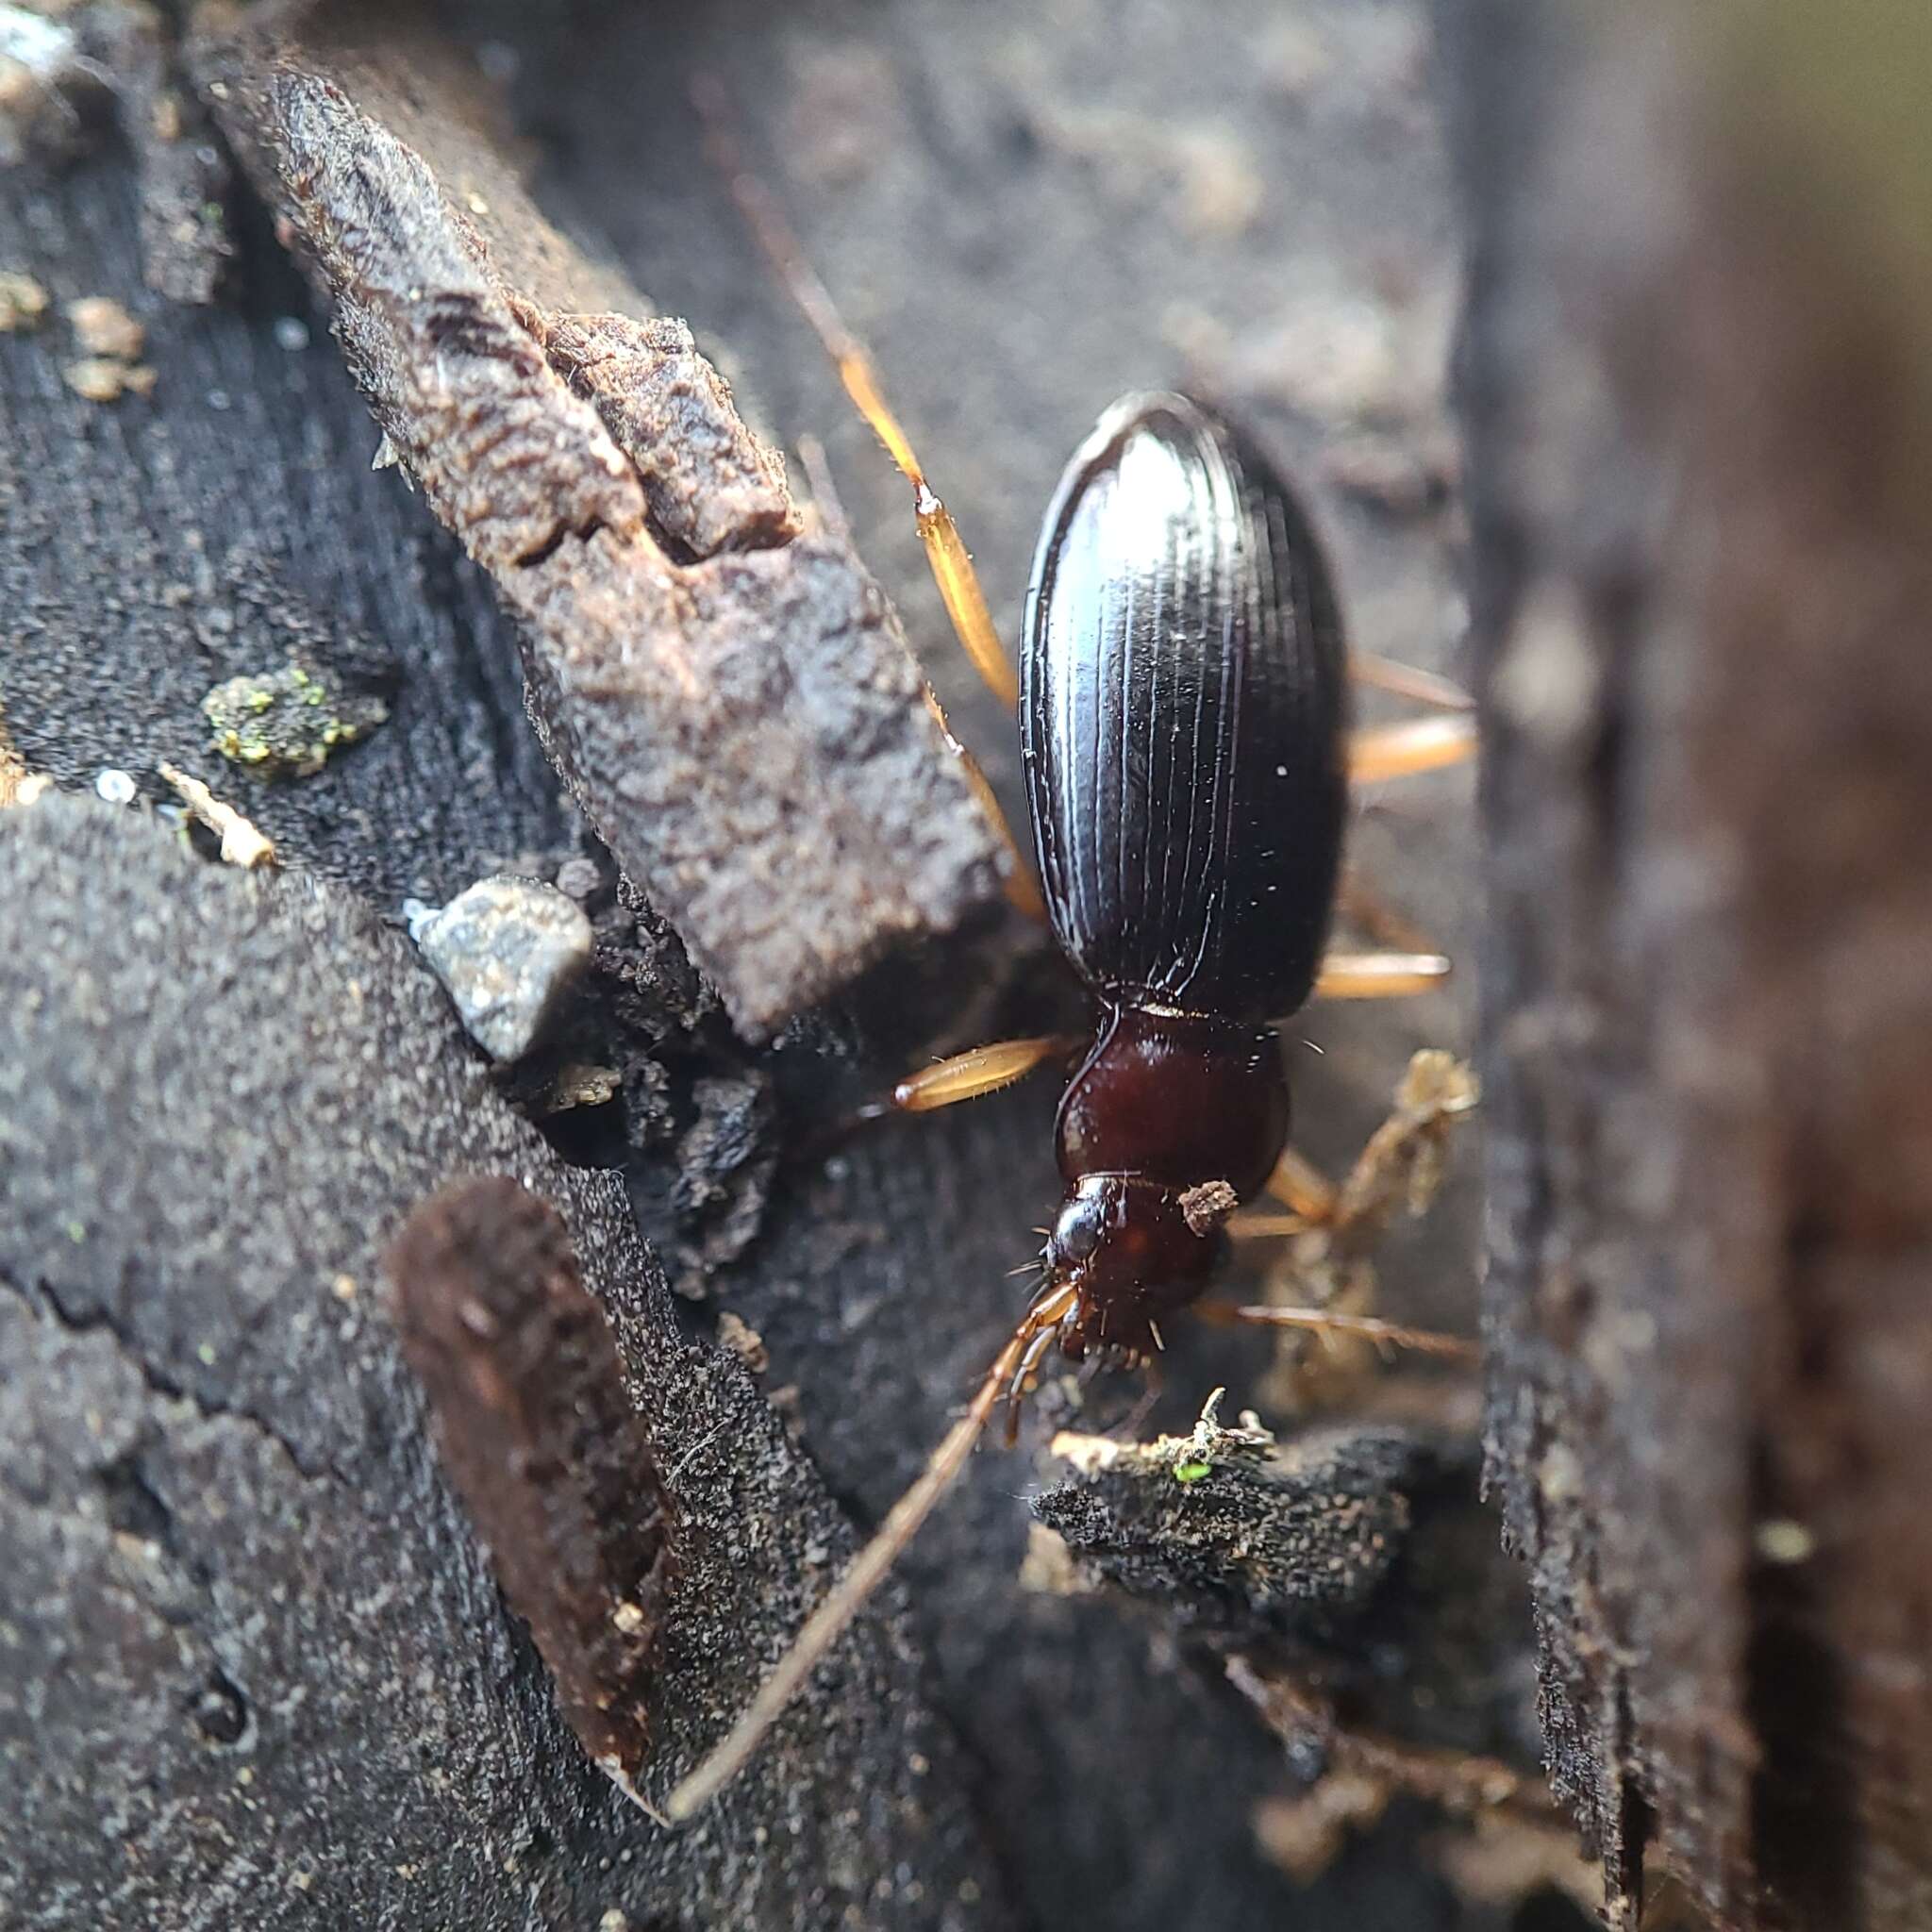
1022,1380
1128,1428
1406,681
945,1083
967,1075
945,551
1385,1335
1379,975
1260,1227
1299,1185
1416,745
1361,906
1021,892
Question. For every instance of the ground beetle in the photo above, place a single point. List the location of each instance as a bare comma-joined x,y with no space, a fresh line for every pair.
1183,698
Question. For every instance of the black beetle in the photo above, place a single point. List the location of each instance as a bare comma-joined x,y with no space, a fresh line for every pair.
1183,702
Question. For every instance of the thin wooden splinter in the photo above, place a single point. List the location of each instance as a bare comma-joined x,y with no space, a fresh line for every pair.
848,1597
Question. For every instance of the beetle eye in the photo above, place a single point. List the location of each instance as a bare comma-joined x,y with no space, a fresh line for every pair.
1077,1233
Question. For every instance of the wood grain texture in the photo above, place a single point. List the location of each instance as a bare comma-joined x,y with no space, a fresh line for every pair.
252,1641
731,701
1028,214
1699,388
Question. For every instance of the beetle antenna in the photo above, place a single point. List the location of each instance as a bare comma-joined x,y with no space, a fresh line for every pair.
945,550
1385,1335
848,1596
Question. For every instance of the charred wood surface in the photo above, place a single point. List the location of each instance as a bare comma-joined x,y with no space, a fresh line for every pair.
961,192
258,1669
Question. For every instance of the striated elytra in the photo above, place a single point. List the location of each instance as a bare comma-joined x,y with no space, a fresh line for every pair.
1182,705
1183,696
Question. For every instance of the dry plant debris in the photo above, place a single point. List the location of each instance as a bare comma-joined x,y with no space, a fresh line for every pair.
105,379
102,328
1327,1260
112,340
24,302
241,843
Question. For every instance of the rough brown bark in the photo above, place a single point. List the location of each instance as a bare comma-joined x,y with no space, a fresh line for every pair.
1698,383
731,698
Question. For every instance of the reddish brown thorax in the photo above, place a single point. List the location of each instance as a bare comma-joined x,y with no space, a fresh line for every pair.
1165,1104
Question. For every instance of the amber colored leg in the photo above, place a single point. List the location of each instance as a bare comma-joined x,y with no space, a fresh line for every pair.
1379,975
967,1075
1261,1225
1385,1335
1020,1384
963,1076
1416,745
1299,1184
1389,751
945,551
1362,908
1406,681
1023,893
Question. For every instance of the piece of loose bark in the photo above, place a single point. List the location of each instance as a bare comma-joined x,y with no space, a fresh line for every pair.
544,1447
1227,1527
731,700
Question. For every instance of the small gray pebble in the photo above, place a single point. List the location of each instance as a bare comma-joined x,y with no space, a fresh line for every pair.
507,949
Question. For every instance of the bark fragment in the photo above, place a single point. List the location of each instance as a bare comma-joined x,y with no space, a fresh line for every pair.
543,1444
731,701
